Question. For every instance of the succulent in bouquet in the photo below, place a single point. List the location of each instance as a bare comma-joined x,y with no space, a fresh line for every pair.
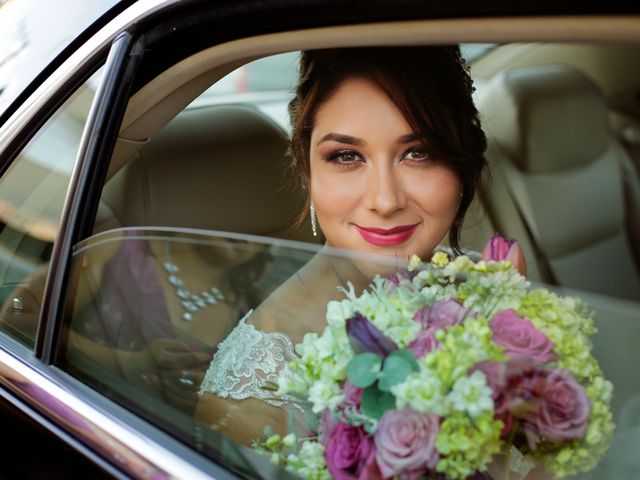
445,370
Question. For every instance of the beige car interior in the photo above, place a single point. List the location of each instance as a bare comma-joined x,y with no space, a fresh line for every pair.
569,187
223,167
563,128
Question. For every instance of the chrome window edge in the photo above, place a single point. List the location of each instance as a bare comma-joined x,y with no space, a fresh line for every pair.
120,444
81,58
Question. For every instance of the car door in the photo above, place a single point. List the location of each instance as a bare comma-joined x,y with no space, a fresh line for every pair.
157,58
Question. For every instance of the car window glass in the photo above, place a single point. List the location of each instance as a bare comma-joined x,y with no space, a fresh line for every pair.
32,193
150,307
193,229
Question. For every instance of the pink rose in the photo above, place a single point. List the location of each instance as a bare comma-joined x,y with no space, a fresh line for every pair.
443,314
424,343
519,337
499,248
405,443
563,408
350,454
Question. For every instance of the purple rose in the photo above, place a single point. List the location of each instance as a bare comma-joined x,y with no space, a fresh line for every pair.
352,394
563,409
364,336
443,314
351,402
328,425
511,384
549,404
350,454
424,343
520,338
499,248
405,443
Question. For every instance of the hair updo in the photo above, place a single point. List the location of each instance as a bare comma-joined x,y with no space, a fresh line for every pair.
430,85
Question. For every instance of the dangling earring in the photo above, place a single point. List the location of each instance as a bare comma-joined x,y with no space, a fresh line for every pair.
314,220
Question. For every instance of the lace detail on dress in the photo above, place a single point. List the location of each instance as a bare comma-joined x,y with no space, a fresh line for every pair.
247,361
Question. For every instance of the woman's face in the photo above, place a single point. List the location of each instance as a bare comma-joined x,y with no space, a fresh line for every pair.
374,186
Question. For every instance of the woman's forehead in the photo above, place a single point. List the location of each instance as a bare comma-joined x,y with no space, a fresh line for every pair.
359,108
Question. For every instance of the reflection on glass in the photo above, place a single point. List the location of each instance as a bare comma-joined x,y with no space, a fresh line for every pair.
32,194
191,329
149,309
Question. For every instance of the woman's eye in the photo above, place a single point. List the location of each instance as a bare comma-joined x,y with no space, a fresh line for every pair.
344,157
417,154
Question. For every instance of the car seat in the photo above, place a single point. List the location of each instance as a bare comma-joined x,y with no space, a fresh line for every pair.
562,183
221,167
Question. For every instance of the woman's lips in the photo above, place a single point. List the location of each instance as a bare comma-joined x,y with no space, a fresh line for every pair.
385,237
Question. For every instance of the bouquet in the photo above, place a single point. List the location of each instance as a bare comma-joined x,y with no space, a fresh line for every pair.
444,370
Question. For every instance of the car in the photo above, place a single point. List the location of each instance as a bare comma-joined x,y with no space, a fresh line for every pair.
146,203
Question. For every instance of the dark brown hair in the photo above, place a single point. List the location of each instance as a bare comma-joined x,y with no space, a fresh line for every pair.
430,85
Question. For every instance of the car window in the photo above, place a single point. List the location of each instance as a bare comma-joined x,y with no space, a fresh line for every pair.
198,230
150,307
32,194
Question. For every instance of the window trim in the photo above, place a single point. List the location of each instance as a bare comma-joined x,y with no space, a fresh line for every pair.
87,176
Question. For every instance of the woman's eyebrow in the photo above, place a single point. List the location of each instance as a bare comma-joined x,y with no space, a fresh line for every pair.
411,137
337,137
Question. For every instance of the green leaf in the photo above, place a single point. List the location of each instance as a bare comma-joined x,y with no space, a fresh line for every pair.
395,370
407,355
374,402
363,369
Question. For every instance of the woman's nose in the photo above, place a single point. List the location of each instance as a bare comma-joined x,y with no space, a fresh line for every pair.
385,193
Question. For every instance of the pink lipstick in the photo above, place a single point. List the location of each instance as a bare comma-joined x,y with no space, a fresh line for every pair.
387,237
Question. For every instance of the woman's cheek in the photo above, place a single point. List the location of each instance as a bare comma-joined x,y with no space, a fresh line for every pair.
335,196
437,192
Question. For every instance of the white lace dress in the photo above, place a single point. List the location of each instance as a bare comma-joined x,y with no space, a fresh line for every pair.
248,364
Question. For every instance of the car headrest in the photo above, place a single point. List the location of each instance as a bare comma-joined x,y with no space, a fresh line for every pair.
217,167
548,118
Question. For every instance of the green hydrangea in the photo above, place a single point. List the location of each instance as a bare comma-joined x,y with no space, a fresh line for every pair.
467,445
462,347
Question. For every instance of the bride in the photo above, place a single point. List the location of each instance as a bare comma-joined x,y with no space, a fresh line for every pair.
388,146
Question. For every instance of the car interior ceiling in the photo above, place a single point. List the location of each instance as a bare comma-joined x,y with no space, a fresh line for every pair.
204,157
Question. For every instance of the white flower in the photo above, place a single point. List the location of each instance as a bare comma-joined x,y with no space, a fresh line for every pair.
471,395
307,349
325,393
309,463
339,312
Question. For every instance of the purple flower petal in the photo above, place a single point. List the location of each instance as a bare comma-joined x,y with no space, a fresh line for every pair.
366,337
